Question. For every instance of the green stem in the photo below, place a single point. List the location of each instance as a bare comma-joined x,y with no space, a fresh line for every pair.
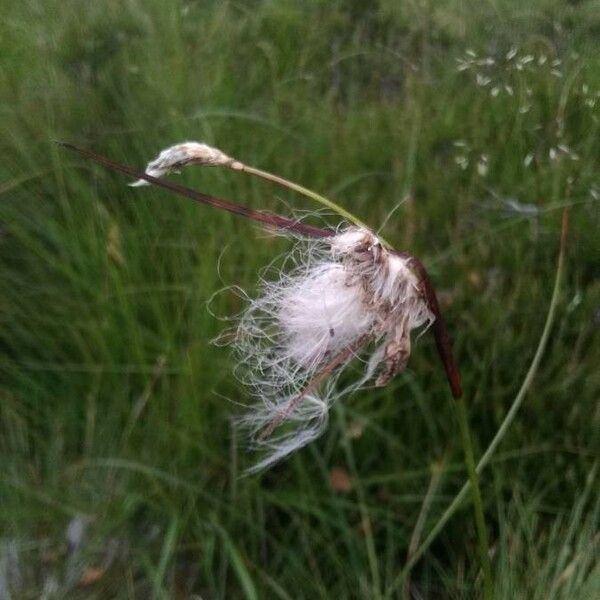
305,192
477,502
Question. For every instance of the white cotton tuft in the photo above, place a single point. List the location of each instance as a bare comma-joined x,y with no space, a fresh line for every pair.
342,295
321,313
182,155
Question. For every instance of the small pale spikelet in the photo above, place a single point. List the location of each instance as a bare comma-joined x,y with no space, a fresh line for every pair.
182,155
345,296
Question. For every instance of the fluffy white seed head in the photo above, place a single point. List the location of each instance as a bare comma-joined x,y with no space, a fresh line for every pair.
182,155
347,291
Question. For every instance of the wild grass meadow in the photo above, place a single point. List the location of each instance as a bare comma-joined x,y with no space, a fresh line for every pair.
462,129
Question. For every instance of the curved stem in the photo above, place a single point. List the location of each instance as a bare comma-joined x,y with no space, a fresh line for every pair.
510,416
305,192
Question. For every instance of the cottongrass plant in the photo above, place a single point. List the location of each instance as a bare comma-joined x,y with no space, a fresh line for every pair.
348,295
345,295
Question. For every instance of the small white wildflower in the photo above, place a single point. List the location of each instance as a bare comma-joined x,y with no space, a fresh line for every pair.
524,109
509,90
568,152
527,59
187,153
552,153
482,80
292,342
494,91
528,159
462,161
514,205
471,53
511,53
542,59
556,73
483,165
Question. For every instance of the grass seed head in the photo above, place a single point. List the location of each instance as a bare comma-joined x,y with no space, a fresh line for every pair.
187,153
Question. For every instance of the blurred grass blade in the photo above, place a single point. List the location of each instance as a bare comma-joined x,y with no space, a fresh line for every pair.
166,555
243,575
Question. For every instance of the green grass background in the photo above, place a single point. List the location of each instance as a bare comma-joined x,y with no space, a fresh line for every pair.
115,408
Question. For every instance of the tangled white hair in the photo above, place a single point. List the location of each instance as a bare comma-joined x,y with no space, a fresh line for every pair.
341,294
